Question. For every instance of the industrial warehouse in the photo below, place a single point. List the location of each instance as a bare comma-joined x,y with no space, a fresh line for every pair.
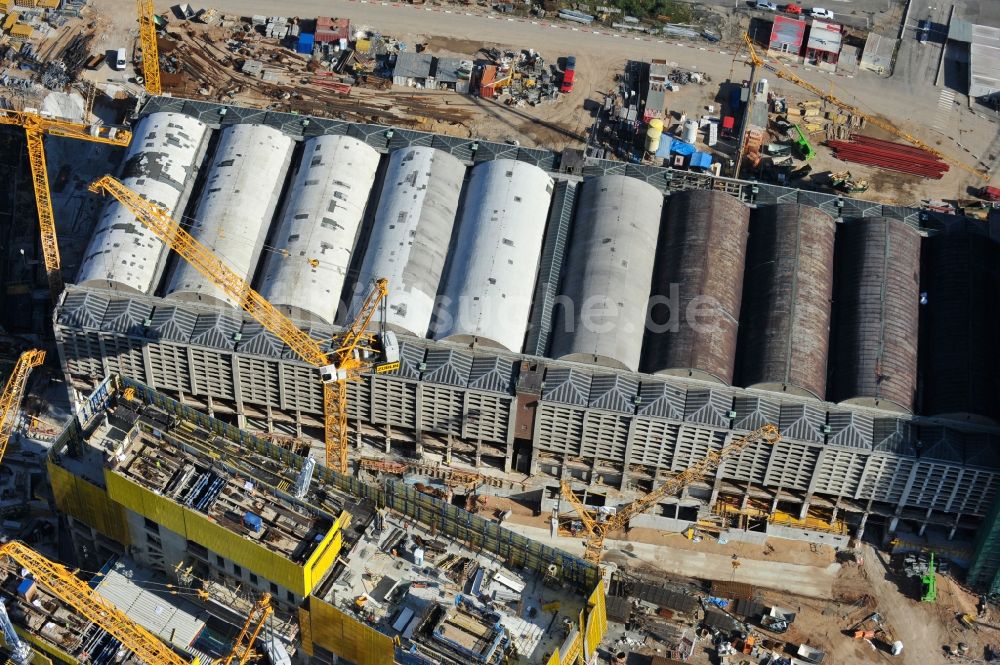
813,303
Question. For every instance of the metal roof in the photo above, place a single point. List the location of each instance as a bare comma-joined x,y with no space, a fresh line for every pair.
174,620
313,245
409,239
413,65
788,31
824,36
236,205
495,256
878,51
161,161
447,70
984,61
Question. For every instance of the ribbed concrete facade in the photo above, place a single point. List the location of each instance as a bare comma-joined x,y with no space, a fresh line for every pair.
236,206
876,313
606,282
161,165
787,294
491,279
412,230
700,260
306,269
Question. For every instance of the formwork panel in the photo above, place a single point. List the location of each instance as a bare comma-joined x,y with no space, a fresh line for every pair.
345,636
88,503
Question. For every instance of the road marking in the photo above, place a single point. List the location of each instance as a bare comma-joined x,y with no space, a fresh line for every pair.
946,104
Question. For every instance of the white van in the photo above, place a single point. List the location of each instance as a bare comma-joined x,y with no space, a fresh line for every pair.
120,60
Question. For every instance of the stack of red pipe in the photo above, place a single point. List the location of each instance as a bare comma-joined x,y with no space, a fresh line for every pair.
889,155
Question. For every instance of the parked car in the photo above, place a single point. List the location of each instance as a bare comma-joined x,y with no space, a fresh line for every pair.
792,8
923,31
767,6
819,12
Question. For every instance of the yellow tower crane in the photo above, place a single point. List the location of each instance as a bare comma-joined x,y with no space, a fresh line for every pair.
13,393
69,588
243,647
355,351
783,73
35,127
599,527
150,51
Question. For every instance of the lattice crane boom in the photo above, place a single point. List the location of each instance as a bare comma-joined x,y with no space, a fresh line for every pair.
13,393
347,362
66,586
35,127
782,72
252,627
150,51
597,529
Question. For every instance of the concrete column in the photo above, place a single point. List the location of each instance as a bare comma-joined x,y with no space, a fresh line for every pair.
388,438
893,523
717,481
237,382
746,498
447,449
629,440
861,526
192,373
923,527
804,511
836,509
147,367
954,527
774,501
479,452
418,417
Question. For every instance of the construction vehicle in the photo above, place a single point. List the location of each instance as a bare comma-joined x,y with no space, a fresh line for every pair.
788,75
13,393
928,583
35,128
598,526
150,50
355,351
845,182
243,646
874,629
806,148
76,593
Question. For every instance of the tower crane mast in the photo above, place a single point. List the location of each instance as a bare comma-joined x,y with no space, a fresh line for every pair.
13,393
354,351
597,529
150,51
243,647
35,127
69,588
782,72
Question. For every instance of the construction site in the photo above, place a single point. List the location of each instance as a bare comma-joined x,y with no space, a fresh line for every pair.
326,346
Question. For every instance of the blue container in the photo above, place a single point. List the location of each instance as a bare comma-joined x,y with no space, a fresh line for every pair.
305,45
253,522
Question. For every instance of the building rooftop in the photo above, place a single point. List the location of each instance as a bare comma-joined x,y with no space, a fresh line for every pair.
176,621
168,457
787,30
824,37
447,602
413,65
984,61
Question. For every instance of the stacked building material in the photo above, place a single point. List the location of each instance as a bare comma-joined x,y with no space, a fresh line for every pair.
889,155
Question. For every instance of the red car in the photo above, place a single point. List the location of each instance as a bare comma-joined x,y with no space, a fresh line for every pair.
792,8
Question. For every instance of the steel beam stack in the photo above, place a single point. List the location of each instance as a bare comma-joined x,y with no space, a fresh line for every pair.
889,155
